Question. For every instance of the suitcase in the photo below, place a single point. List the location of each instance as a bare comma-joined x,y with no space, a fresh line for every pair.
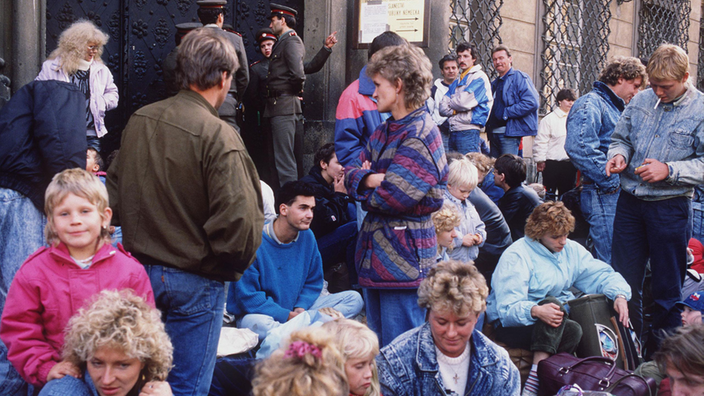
603,335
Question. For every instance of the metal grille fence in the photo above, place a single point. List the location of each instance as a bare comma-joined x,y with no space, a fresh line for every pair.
477,22
700,59
663,21
575,46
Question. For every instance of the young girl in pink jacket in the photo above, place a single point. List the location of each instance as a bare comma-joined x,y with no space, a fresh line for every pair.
54,282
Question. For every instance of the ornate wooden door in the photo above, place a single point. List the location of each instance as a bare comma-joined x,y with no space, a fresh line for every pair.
141,35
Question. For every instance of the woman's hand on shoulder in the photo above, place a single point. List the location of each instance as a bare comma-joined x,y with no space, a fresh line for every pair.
63,369
159,388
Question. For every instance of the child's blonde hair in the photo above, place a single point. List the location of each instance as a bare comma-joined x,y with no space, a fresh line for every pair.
446,219
309,364
463,174
356,341
78,182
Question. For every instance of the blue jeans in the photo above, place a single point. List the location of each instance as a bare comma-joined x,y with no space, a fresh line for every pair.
599,209
70,386
391,312
348,303
698,221
192,309
465,141
502,144
93,141
659,231
340,246
21,234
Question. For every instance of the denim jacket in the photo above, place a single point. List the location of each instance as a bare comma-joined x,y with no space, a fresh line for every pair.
408,366
672,133
590,123
521,101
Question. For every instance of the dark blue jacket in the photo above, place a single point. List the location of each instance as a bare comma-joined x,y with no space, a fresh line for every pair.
521,101
43,131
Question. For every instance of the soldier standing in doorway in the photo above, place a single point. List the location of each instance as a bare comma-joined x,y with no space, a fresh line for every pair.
284,85
211,14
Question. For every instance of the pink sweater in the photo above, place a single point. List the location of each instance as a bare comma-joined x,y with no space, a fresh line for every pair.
47,290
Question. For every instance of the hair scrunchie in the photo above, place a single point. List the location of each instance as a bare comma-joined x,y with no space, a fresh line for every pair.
300,348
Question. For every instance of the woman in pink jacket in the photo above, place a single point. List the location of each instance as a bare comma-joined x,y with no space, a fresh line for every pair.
55,282
77,60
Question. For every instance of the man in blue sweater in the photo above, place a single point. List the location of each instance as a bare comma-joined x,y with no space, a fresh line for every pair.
286,278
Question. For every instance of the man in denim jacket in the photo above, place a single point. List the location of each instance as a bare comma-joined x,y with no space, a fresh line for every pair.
658,148
590,123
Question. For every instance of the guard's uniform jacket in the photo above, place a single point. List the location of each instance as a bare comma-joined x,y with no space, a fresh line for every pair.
286,76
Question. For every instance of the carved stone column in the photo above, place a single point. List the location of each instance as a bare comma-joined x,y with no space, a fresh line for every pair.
28,40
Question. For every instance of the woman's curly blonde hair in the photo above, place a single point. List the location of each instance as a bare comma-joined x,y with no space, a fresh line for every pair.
121,320
73,43
356,341
305,375
454,286
549,218
408,64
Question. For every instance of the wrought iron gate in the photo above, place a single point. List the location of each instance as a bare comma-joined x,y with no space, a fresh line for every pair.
141,35
663,21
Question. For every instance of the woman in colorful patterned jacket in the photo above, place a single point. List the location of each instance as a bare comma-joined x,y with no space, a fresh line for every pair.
400,183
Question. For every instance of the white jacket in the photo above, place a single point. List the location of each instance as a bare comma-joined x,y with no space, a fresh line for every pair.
103,91
549,144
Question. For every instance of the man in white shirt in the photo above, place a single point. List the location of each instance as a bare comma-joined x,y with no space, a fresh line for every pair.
449,67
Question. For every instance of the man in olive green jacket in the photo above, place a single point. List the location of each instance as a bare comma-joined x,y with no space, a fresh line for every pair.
188,198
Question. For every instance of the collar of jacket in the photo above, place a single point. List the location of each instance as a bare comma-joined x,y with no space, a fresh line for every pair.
317,173
480,357
197,98
540,249
409,118
61,254
449,196
366,85
604,91
472,69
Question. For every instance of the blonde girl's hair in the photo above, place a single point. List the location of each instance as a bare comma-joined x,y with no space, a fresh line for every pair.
308,364
78,182
73,43
446,219
120,320
463,174
356,341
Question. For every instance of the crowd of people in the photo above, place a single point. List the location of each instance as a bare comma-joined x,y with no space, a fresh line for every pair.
375,273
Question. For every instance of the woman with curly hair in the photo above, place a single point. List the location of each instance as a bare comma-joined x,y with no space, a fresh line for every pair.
120,343
400,183
309,364
447,355
532,282
77,60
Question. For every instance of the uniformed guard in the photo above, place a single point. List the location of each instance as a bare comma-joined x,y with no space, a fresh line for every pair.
284,86
211,14
168,66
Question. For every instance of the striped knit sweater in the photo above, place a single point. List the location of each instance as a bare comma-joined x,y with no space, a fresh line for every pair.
397,245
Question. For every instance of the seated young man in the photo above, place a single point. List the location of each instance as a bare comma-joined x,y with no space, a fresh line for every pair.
286,278
518,201
334,221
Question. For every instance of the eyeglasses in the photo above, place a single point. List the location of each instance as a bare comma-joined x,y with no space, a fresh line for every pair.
93,48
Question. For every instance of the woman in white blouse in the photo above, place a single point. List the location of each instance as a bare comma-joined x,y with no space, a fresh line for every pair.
549,147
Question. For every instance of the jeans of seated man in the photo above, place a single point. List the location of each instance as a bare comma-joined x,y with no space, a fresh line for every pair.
658,231
348,303
21,234
502,144
339,246
464,142
599,210
192,310
698,221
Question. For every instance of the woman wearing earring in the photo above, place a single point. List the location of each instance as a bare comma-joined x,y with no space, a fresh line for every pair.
120,344
77,61
401,182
